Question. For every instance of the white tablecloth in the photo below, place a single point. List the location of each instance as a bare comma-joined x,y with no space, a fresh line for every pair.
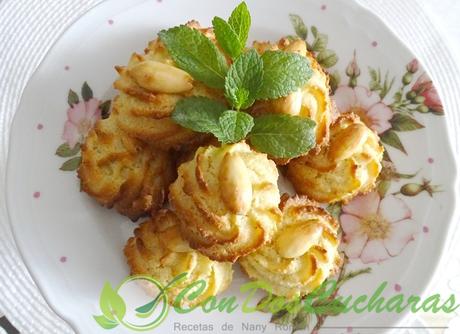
431,28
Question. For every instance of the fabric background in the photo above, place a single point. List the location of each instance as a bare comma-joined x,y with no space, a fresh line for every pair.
28,28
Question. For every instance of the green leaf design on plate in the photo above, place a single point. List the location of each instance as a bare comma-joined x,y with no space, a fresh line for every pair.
64,151
71,164
335,209
86,92
320,42
104,322
282,317
327,58
391,138
329,307
105,109
401,122
382,187
111,304
299,26
301,321
72,98
334,81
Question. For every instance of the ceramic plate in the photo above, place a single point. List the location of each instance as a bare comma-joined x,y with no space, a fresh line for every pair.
72,246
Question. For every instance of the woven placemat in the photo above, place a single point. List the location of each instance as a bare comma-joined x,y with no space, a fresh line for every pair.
28,30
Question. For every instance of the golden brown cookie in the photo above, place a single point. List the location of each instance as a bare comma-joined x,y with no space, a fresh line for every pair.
123,172
150,87
227,198
312,100
302,254
158,249
349,165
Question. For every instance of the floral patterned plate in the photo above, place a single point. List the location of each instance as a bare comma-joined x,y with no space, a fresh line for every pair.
394,234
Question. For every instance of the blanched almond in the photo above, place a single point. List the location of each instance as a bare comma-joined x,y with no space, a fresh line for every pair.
347,142
235,184
296,240
290,104
161,78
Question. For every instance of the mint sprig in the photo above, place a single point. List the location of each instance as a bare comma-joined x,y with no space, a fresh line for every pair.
251,77
284,73
234,126
232,36
283,136
196,54
227,37
201,114
244,80
240,21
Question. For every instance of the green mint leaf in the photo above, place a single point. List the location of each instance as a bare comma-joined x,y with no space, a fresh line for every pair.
196,54
71,164
240,21
64,150
199,114
284,73
111,304
72,98
244,80
234,126
227,37
86,92
283,136
299,26
104,322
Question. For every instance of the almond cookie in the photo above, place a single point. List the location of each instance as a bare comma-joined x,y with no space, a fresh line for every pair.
348,166
150,87
123,172
227,198
158,249
302,254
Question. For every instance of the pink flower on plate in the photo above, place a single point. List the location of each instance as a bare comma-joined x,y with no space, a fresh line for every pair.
376,229
81,117
424,87
366,104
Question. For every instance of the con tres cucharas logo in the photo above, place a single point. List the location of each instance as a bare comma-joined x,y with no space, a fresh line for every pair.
117,310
